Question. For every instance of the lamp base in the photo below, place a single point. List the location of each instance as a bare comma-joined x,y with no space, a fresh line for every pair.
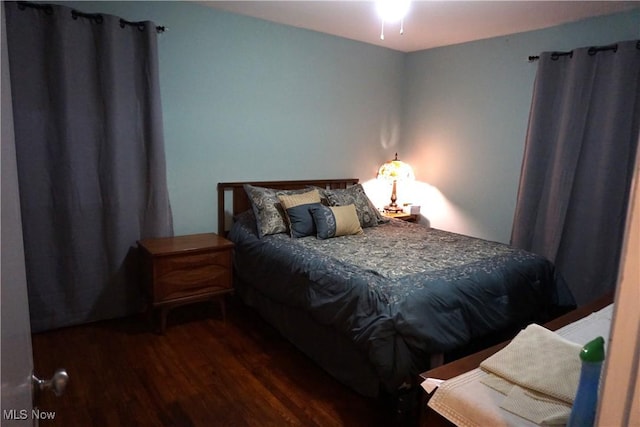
393,209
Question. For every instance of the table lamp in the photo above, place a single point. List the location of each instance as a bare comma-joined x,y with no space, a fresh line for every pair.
395,170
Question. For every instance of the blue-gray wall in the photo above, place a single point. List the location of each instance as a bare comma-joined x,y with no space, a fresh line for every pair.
246,99
465,119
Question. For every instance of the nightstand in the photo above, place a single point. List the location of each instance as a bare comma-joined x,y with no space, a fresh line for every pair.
185,269
402,215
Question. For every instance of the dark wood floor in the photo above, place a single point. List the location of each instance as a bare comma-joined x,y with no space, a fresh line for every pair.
202,372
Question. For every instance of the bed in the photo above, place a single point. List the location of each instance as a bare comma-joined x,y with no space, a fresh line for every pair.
374,308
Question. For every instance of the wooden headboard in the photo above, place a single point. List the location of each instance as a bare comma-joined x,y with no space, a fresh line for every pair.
239,202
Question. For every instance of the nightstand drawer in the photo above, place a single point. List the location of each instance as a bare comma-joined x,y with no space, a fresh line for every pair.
192,274
190,282
187,262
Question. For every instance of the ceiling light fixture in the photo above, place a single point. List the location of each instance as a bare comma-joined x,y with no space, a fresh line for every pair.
392,11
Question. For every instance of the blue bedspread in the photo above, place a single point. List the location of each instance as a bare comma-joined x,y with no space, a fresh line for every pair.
400,291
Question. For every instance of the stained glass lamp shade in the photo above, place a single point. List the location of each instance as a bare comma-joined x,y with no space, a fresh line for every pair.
395,170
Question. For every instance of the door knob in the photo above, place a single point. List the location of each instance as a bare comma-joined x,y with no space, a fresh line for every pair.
56,384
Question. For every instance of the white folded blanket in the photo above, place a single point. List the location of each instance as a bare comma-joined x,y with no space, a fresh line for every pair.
540,360
533,406
539,373
467,401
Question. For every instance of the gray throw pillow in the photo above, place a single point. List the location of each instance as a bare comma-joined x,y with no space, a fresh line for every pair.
267,208
368,215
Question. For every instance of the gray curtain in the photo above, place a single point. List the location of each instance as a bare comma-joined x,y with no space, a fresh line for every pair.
90,153
578,163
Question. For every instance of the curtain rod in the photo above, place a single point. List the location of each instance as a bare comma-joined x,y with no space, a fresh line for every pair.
96,17
591,51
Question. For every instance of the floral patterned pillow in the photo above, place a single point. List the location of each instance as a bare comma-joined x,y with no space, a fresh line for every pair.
368,215
267,208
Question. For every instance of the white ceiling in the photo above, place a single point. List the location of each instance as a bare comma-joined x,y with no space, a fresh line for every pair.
429,23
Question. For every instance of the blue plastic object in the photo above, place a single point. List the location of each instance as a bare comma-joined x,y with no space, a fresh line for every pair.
583,412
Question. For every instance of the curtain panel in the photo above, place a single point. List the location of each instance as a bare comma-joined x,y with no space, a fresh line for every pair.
91,161
578,163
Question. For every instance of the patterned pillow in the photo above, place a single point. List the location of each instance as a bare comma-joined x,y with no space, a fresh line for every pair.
334,221
270,217
368,215
297,214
